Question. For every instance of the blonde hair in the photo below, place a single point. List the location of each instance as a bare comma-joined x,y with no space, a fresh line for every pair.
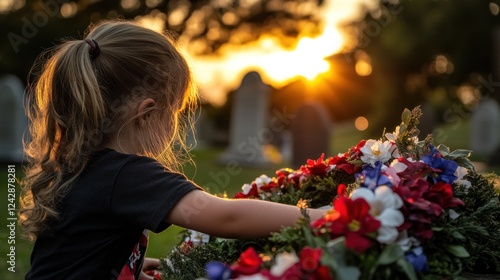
79,103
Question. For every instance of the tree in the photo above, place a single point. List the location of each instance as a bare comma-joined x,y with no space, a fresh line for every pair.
31,28
426,50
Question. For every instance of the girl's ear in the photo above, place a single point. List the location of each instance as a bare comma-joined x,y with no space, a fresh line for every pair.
144,110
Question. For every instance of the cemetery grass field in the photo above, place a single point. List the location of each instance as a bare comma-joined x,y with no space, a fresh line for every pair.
204,173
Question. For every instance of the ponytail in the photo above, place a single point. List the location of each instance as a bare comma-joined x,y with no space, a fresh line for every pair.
65,108
75,107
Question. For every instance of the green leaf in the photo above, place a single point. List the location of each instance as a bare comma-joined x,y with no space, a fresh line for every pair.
348,273
457,251
335,259
443,150
407,268
458,235
460,153
405,117
309,237
465,162
390,254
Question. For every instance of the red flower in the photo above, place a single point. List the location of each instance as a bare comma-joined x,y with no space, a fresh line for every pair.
351,219
356,151
341,190
282,175
309,267
273,185
248,263
253,193
423,204
341,163
323,273
415,169
309,259
315,167
330,216
287,175
354,222
441,193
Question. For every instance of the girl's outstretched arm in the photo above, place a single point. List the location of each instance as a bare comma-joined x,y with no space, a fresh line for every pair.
237,218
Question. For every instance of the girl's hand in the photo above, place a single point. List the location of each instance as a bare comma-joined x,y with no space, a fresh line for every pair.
149,269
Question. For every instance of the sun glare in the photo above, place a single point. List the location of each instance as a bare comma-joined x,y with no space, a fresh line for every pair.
277,65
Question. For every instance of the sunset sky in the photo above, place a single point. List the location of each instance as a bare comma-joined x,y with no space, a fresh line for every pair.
217,75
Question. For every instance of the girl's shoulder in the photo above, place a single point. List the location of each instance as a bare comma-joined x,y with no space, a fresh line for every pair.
113,159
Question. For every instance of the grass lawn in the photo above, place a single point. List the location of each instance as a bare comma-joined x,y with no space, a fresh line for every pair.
207,174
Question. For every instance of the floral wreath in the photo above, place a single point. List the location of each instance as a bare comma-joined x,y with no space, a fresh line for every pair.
399,208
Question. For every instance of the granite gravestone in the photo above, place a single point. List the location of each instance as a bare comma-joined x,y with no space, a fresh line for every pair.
311,132
249,116
13,120
485,128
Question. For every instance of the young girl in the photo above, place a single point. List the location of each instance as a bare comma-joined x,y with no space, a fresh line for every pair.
107,120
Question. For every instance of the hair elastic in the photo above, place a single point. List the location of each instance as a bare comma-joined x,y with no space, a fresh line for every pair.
94,50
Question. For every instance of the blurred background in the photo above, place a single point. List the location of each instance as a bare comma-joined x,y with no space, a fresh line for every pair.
323,69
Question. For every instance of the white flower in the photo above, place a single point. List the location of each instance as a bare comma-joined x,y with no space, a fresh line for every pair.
374,151
246,188
393,136
453,214
262,180
198,238
393,169
461,172
464,183
405,242
384,206
283,262
394,151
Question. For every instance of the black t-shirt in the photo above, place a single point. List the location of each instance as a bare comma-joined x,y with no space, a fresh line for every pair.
104,216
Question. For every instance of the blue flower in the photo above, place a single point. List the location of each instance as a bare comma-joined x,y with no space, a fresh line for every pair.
446,168
372,177
418,259
218,271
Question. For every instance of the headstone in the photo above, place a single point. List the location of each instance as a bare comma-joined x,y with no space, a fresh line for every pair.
496,55
13,120
427,120
286,146
248,132
199,136
485,128
494,158
310,134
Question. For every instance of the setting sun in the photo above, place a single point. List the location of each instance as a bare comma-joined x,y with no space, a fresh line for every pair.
278,65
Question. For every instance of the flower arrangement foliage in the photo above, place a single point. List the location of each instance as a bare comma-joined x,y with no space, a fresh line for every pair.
401,208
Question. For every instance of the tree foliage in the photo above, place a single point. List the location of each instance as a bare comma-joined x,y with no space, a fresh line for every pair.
39,24
425,50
